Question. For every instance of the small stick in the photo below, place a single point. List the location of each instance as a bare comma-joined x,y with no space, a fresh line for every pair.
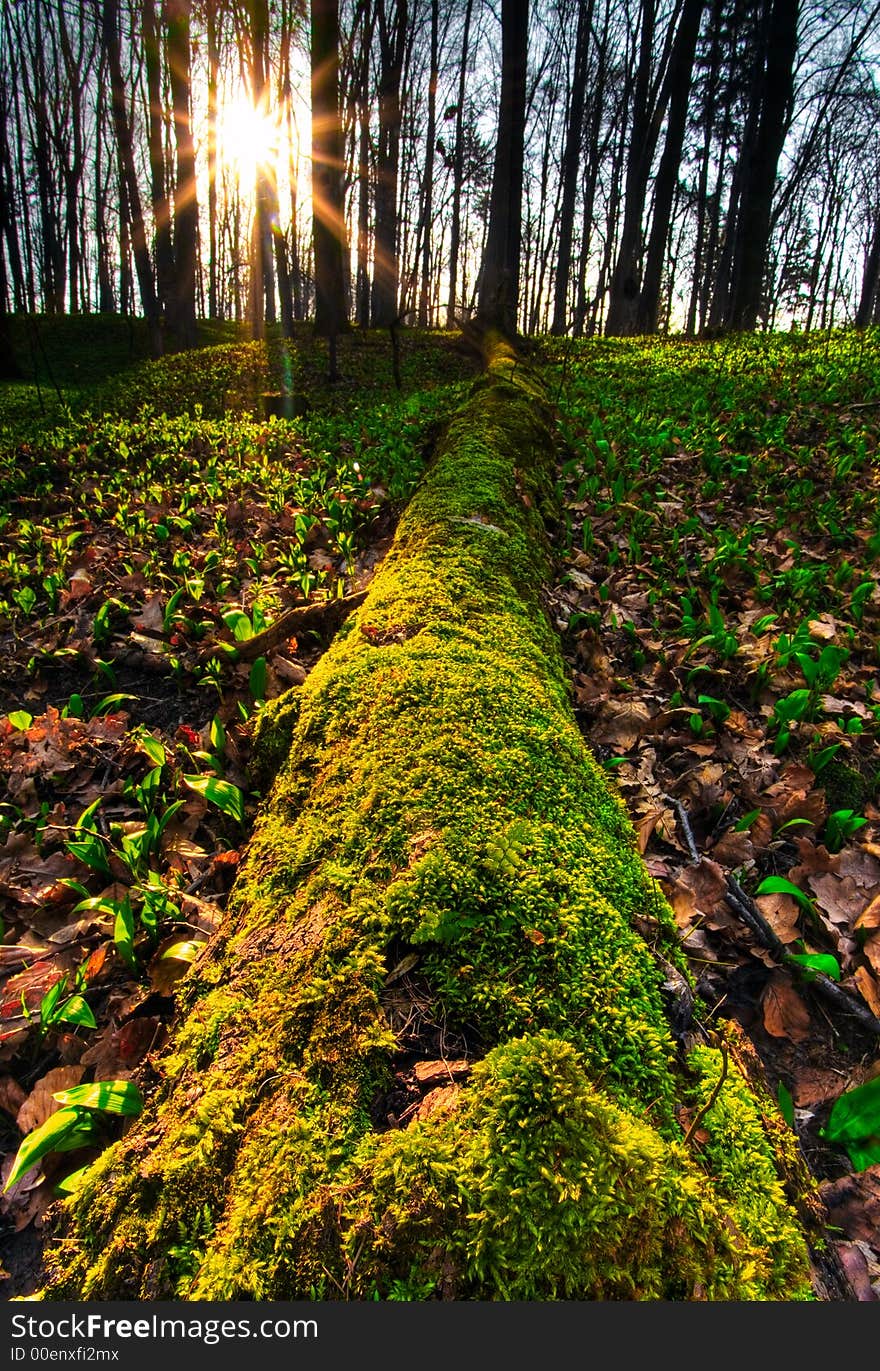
835,994
685,828
321,615
716,1090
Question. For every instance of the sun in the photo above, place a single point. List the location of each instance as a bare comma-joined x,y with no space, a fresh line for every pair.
247,138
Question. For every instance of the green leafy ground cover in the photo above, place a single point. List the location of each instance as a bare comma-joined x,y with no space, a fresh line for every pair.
717,594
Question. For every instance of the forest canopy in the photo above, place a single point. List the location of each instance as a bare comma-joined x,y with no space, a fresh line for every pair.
682,164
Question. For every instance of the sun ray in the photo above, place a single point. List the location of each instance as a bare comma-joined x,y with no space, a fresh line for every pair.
247,138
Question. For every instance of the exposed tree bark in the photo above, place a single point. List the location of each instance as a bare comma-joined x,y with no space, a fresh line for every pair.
458,169
212,36
499,278
869,299
391,17
328,223
571,161
428,171
186,210
128,181
756,201
680,75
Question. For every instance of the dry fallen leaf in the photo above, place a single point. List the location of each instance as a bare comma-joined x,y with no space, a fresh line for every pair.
785,1014
813,1085
621,723
12,1097
853,1204
782,913
39,1104
868,989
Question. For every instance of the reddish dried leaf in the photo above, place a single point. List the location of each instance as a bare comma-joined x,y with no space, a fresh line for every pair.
621,723
853,1204
839,897
439,1101
734,850
12,1097
870,915
39,1104
856,1268
813,1085
138,1037
785,1014
782,913
872,951
868,988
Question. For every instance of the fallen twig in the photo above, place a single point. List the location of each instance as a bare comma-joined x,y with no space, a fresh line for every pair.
743,905
322,616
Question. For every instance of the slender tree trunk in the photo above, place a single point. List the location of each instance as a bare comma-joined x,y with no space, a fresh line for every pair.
869,299
753,220
428,197
328,222
177,15
160,176
134,215
681,73
499,281
391,16
458,170
571,161
213,13
106,298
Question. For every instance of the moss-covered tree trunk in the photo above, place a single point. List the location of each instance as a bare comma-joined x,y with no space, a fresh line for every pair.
428,1054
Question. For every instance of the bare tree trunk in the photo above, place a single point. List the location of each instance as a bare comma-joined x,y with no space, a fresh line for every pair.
571,161
869,300
428,195
129,182
754,217
391,16
458,170
681,73
499,284
214,13
328,222
177,14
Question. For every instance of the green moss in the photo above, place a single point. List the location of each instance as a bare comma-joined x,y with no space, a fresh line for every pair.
437,800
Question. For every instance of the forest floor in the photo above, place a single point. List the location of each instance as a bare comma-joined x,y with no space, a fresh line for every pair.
716,592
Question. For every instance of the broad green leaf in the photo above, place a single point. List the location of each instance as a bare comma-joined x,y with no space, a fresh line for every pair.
85,819
257,679
816,961
746,821
184,951
63,1124
72,1183
223,794
217,736
854,1122
75,1010
113,1097
786,1104
75,707
123,934
152,747
91,853
19,718
239,625
50,1000
104,706
778,885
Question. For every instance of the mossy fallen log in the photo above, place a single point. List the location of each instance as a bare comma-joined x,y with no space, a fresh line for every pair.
441,871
